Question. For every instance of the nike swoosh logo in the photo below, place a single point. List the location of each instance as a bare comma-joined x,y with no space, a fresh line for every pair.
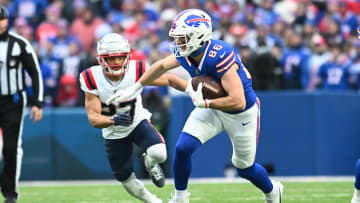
245,123
222,55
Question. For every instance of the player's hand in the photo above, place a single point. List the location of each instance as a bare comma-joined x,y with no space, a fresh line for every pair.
122,119
126,94
197,96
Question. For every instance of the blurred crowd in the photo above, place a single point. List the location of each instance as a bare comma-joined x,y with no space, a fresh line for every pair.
288,44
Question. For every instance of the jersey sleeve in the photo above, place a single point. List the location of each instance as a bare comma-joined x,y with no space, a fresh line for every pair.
87,82
224,61
141,68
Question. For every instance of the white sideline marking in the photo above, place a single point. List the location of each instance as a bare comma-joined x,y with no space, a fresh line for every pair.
192,181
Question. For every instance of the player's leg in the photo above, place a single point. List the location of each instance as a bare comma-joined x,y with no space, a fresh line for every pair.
154,148
119,154
201,126
356,196
243,130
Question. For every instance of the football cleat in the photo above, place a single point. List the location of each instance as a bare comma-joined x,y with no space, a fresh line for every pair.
154,199
355,199
10,200
276,193
180,199
155,172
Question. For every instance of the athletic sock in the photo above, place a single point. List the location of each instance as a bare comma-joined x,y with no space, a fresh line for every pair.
258,176
185,146
357,175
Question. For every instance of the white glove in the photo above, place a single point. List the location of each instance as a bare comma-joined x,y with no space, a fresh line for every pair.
197,96
126,94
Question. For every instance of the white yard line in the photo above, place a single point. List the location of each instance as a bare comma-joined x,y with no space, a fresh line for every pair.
192,181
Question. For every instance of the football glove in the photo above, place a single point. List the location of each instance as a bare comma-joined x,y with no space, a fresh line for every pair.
126,94
197,96
122,119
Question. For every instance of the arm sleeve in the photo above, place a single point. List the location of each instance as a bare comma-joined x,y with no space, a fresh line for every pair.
222,66
86,85
31,64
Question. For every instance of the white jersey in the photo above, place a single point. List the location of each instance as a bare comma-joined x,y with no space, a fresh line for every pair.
94,81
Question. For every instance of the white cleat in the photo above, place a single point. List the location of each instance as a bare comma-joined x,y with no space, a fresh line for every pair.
355,200
155,172
178,199
154,199
275,195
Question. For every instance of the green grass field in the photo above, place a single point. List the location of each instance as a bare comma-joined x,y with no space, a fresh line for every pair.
294,192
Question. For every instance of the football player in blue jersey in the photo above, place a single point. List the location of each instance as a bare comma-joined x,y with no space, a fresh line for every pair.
237,113
356,196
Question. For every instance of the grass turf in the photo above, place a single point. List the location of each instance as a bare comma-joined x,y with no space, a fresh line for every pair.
294,192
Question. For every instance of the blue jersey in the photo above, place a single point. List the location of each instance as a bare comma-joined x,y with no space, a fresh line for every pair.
219,56
334,76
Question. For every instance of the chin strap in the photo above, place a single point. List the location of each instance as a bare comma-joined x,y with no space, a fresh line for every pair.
197,52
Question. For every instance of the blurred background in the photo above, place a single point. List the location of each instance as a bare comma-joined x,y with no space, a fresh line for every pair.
304,57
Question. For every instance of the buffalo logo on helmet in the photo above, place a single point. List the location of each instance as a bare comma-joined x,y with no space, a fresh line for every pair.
194,21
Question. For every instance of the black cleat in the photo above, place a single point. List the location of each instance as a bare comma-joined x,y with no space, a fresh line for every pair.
10,200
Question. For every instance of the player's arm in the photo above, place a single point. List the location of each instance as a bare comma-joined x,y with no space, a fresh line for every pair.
154,72
157,69
93,110
170,80
232,84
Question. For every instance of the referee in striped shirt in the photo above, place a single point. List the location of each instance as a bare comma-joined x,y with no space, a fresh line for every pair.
16,56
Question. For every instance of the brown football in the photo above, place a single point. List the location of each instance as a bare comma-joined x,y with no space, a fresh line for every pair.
212,87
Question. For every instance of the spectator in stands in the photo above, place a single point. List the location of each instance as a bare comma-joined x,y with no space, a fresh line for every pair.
334,74
68,91
318,57
266,68
294,63
84,26
48,29
63,40
31,10
354,72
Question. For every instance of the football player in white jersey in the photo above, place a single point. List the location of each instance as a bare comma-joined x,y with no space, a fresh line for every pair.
124,122
238,113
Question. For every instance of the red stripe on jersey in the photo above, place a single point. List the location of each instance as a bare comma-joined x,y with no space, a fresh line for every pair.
161,137
143,67
227,66
137,71
225,60
92,78
86,81
258,122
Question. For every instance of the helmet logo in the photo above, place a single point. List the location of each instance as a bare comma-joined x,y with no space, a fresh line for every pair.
194,21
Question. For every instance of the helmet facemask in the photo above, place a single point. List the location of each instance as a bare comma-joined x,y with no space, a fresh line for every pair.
116,69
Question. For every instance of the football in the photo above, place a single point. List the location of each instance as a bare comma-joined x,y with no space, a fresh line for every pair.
212,87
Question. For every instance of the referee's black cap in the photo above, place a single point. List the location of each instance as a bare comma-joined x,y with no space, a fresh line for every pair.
3,13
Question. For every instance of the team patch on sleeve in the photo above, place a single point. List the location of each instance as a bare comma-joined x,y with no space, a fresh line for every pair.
140,69
226,63
89,79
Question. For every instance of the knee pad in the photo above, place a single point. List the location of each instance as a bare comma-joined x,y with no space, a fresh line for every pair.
241,164
133,186
157,153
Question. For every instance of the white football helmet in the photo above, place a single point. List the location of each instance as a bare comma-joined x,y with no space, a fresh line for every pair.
111,45
191,27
